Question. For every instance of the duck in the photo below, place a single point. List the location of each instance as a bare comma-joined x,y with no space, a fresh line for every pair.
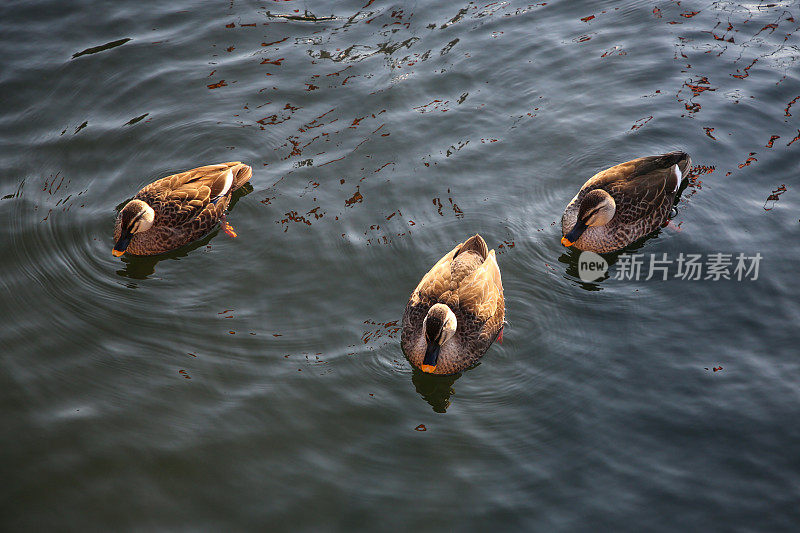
621,204
178,209
456,311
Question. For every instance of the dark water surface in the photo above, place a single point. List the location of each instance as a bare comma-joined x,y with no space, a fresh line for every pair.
258,382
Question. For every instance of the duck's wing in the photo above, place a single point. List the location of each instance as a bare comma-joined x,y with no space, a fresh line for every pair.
436,282
642,168
651,182
641,185
181,197
481,294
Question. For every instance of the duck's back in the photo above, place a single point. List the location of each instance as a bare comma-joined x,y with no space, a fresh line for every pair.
469,257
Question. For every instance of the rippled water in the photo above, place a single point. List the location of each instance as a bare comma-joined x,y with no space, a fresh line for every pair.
258,381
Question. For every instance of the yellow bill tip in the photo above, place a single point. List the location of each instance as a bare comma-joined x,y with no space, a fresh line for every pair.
566,242
117,253
428,369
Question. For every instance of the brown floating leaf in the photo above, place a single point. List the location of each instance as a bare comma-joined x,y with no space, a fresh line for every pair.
293,216
421,427
774,197
697,89
505,246
272,119
356,198
220,83
786,111
750,159
641,122
274,42
772,27
743,76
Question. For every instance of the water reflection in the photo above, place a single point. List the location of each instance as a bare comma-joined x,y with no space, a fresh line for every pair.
436,390
571,256
144,266
570,259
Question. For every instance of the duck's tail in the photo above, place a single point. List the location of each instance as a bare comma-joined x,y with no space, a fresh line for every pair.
476,244
681,159
680,163
241,173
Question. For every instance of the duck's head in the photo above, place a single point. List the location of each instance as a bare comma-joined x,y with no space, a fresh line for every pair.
135,217
597,209
439,326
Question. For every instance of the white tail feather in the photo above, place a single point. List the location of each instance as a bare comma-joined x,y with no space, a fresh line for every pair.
679,174
228,183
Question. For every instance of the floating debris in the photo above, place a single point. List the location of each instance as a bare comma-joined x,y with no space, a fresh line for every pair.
305,17
135,120
101,48
356,198
774,197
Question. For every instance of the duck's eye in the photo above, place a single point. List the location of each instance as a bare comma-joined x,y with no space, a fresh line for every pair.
134,224
589,214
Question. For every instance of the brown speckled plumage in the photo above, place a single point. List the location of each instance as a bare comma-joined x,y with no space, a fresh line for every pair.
644,191
184,206
468,281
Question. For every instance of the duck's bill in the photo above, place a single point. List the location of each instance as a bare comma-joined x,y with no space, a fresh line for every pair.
570,238
431,358
121,245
